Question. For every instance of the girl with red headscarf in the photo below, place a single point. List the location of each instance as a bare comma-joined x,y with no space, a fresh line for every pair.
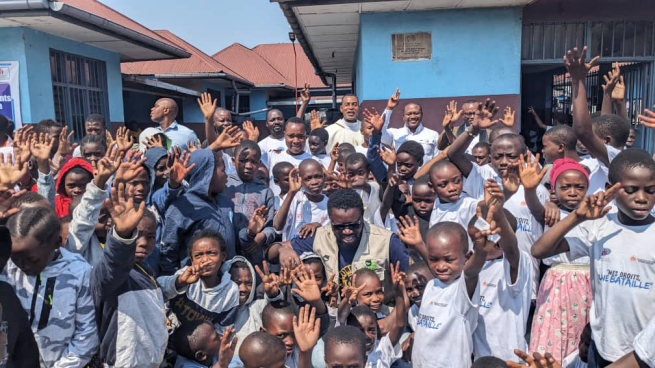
71,182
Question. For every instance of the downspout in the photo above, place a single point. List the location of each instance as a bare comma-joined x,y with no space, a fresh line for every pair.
334,88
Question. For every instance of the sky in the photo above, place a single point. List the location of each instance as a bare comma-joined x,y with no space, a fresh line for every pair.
210,25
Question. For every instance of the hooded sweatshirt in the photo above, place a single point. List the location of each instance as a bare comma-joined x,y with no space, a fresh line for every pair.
195,211
62,200
60,308
129,308
81,231
246,198
218,304
249,315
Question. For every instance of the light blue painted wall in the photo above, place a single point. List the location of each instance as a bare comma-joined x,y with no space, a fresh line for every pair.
258,102
474,52
32,49
359,71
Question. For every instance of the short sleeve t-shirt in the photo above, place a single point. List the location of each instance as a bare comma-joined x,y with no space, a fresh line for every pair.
383,354
444,330
528,229
622,280
270,144
302,212
460,212
474,183
503,303
275,157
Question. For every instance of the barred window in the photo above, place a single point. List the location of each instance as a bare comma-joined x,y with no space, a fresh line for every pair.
79,88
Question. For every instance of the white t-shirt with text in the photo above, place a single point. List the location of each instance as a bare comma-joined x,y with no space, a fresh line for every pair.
302,212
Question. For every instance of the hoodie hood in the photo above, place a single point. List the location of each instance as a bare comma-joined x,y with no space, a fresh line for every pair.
201,175
68,166
153,155
225,268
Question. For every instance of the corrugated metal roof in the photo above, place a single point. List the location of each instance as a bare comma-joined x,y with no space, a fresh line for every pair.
198,62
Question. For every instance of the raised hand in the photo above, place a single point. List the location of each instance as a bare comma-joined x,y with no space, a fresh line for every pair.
257,221
394,100
227,348
536,361
154,141
647,120
334,153
480,237
270,280
106,167
179,169
339,179
349,293
11,171
577,65
595,206
618,93
41,146
484,114
110,140
331,290
251,130
511,179
452,114
375,119
305,95
124,139
22,140
409,231
66,145
124,214
508,117
552,214
611,79
315,120
229,138
529,171
387,156
191,274
306,285
531,110
130,168
493,194
192,146
397,278
308,230
207,106
55,165
294,181
306,328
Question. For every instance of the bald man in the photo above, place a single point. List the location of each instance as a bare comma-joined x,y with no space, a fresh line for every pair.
164,113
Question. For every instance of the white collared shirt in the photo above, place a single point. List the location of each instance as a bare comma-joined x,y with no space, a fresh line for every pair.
397,136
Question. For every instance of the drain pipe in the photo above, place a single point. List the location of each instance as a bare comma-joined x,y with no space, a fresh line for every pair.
235,102
334,88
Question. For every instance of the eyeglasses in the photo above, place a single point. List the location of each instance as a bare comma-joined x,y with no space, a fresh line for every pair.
354,226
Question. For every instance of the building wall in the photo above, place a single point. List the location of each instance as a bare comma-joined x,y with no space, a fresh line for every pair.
32,49
258,100
475,52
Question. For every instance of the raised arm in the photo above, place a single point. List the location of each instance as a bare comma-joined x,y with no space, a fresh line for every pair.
531,176
280,219
208,106
508,243
306,97
582,126
483,120
481,246
537,119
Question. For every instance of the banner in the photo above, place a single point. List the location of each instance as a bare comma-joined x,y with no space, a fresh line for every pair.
10,92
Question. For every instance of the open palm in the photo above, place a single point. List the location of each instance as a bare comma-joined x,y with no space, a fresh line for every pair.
124,214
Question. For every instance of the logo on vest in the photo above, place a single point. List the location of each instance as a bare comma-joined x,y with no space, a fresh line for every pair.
370,265
326,258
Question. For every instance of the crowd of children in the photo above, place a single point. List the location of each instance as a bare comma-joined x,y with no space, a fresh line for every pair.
137,252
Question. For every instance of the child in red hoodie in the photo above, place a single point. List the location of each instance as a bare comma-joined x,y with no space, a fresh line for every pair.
71,182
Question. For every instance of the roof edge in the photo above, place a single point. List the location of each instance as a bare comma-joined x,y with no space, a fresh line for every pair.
302,40
205,75
94,20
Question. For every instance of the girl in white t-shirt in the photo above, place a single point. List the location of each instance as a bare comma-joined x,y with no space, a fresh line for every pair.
449,312
304,209
618,245
564,296
357,171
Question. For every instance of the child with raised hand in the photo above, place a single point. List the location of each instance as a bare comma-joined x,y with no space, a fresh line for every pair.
305,207
199,345
317,140
81,231
448,313
71,182
357,171
564,296
505,284
53,286
416,279
385,351
126,296
614,242
280,173
203,290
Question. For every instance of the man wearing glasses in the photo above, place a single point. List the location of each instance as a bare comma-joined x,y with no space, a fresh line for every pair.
348,244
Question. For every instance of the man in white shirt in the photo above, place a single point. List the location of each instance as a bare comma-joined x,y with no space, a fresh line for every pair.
468,112
164,113
347,129
413,130
275,141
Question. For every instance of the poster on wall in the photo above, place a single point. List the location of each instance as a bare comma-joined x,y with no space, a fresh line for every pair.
10,92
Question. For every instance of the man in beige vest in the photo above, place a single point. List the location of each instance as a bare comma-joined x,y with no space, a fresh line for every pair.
348,244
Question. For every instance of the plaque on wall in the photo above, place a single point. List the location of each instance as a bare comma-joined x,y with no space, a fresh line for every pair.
411,46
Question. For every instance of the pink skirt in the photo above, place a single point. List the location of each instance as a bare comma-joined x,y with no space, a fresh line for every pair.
562,312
